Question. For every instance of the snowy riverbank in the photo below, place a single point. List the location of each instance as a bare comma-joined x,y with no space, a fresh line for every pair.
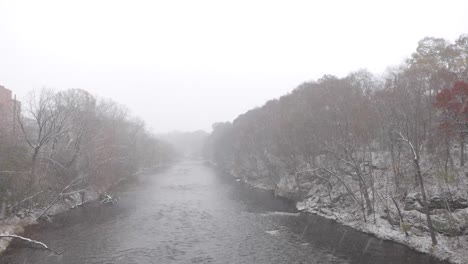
450,248
453,249
15,225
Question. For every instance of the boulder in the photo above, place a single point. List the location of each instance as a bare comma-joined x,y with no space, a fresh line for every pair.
414,202
454,224
454,203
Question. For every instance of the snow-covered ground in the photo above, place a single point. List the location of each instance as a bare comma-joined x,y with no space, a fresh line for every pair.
16,224
346,212
453,249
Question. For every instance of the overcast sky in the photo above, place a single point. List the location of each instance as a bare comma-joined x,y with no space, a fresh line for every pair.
183,65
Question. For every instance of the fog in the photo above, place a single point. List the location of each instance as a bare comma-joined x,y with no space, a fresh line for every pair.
183,65
233,131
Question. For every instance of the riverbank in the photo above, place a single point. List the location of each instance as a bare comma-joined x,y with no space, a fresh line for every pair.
192,213
16,224
453,249
445,250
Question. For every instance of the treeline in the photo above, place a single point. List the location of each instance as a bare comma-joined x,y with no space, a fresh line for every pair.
363,138
67,143
186,144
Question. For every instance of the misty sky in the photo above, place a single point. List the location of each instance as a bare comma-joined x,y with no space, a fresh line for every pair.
183,65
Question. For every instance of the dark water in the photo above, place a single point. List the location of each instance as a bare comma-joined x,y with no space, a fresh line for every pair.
192,214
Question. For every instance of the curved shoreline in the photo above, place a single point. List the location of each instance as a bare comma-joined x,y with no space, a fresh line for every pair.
418,244
17,226
380,230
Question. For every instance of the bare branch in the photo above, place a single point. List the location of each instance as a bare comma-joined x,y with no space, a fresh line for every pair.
44,246
25,199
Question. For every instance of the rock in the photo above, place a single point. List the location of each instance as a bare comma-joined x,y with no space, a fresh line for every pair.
414,202
392,219
454,203
21,214
459,203
108,199
446,226
340,197
438,211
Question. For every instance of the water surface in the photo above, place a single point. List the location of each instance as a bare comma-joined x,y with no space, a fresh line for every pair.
190,213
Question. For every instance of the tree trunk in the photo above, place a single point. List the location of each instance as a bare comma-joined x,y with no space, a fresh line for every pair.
394,168
371,174
462,149
447,155
363,188
395,156
34,179
3,208
426,204
365,192
400,215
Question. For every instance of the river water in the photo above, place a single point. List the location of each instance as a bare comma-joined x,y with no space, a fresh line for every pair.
190,213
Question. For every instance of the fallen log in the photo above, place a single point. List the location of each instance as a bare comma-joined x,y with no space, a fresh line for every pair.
43,246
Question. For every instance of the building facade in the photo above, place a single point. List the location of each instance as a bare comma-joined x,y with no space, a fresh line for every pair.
10,108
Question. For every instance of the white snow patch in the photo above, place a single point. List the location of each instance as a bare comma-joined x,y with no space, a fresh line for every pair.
280,213
383,230
272,232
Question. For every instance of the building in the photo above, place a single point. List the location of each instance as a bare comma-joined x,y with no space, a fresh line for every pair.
9,110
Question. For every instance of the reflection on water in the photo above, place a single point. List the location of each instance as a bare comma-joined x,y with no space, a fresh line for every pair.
192,214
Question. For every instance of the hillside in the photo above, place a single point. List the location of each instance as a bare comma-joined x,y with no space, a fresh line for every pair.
384,154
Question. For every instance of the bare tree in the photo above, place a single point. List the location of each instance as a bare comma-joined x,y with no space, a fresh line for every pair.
415,155
43,124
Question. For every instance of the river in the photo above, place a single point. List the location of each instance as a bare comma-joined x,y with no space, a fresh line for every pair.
190,213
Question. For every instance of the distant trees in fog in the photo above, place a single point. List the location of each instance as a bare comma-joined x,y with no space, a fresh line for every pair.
186,144
69,141
334,131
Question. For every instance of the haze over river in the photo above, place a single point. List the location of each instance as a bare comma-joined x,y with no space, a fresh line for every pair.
190,213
